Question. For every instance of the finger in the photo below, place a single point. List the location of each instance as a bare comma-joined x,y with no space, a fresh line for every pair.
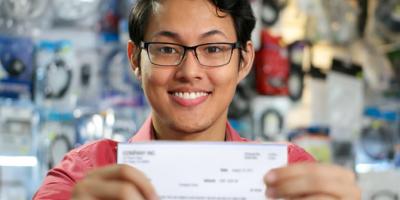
98,189
315,197
323,184
127,173
306,169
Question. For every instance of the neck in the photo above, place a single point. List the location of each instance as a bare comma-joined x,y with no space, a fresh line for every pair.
216,132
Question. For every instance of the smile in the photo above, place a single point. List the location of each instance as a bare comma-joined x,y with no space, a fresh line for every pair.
189,98
190,95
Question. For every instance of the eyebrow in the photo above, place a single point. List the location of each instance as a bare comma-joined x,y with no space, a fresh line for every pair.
177,36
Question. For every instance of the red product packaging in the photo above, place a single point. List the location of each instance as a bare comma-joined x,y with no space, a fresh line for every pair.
272,66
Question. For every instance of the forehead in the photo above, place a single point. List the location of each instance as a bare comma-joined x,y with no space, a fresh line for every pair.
189,19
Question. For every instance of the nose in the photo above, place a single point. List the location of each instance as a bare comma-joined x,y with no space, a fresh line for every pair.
190,68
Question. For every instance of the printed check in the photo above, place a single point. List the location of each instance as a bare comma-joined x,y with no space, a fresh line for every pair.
205,170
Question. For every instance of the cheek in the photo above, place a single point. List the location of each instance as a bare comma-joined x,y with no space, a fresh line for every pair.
225,77
153,77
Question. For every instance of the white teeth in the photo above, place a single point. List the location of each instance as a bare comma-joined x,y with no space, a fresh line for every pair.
190,95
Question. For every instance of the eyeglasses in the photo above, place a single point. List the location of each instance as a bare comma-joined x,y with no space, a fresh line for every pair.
170,54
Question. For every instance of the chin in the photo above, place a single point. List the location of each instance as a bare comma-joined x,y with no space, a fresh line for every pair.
190,127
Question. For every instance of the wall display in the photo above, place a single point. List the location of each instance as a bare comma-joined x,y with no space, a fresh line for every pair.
16,67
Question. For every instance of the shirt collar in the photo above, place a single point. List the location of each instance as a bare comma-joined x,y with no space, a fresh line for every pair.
146,133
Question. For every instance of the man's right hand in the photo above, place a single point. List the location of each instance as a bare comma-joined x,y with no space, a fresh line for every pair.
115,182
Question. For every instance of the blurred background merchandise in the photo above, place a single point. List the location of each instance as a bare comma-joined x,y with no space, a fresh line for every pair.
326,77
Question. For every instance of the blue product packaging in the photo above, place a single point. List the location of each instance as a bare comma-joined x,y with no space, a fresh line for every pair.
16,67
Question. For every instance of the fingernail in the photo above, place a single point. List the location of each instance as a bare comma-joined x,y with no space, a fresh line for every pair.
271,177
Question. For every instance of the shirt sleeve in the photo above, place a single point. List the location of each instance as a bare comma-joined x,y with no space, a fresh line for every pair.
297,154
60,180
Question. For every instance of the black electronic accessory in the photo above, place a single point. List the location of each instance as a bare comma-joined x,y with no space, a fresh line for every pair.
298,52
59,146
271,122
271,10
377,142
58,79
85,75
15,68
387,12
240,105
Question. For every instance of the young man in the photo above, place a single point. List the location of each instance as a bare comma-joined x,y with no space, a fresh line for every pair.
189,56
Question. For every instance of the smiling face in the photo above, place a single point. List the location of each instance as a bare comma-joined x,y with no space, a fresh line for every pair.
190,101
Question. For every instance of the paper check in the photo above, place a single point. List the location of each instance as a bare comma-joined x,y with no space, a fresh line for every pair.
205,170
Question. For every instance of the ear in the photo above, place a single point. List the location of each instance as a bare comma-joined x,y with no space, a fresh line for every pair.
247,61
133,60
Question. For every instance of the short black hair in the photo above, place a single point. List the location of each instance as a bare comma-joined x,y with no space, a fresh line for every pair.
240,10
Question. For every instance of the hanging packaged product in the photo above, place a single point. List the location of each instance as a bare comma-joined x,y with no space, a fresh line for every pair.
271,10
332,21
57,77
93,125
345,100
57,136
22,9
110,15
120,85
387,16
118,123
16,67
256,6
269,117
379,135
272,66
88,60
394,57
82,12
17,125
319,96
299,53
240,105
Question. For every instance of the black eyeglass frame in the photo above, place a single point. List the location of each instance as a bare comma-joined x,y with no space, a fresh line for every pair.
235,45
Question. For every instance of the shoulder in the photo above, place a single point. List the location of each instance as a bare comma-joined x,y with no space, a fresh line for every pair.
297,154
97,153
60,180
